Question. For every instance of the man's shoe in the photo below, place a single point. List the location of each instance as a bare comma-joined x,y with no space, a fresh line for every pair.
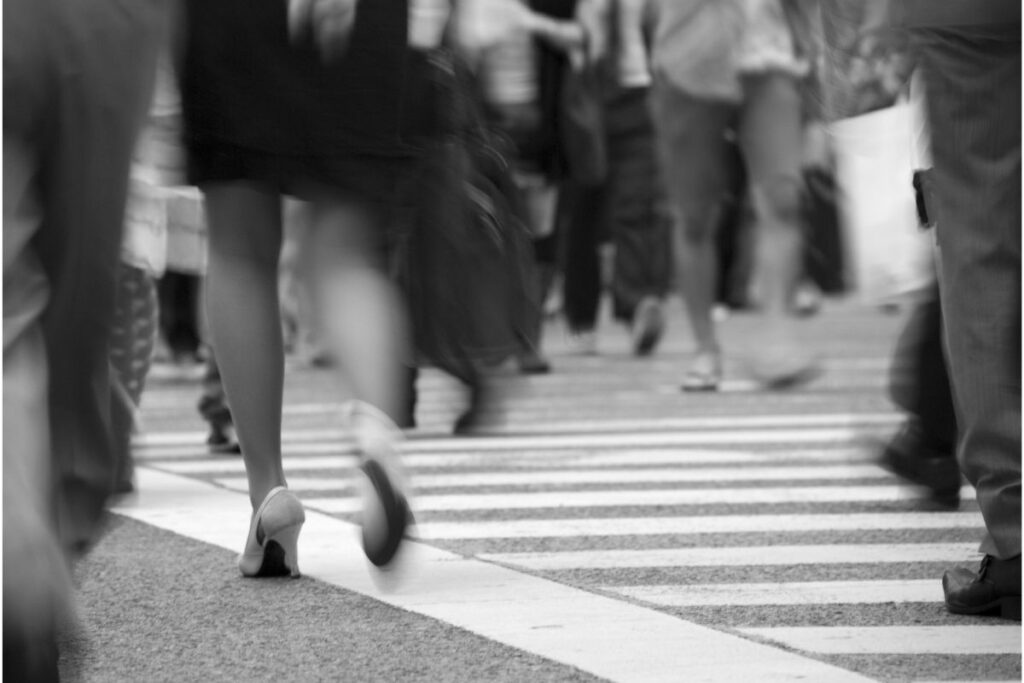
912,456
993,591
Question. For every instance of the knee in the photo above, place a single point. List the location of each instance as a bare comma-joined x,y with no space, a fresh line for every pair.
780,198
694,228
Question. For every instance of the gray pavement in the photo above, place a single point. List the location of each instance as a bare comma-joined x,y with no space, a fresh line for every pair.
756,517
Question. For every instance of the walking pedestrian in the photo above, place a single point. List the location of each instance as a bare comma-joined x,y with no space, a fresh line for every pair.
970,59
717,65
76,82
626,207
315,100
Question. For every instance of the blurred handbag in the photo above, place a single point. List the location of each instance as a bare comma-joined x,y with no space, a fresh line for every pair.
465,262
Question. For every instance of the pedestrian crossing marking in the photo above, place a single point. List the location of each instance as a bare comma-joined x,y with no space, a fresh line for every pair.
594,633
798,593
196,460
637,498
553,440
522,420
906,640
768,555
585,476
698,524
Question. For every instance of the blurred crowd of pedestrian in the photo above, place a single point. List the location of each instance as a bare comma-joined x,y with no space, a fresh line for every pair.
374,187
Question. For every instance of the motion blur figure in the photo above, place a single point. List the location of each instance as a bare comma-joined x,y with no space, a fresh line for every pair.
310,99
77,77
716,65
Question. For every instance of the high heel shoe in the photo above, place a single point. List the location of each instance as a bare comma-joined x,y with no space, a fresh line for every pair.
386,513
271,548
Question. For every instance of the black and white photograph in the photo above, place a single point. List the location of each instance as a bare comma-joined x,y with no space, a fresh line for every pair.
512,341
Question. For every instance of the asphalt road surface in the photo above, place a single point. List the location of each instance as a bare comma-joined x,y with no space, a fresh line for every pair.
606,527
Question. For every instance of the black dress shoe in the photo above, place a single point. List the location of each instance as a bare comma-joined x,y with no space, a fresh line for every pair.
921,461
993,591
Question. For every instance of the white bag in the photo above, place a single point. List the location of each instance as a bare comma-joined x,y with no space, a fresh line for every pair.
890,255
145,229
186,231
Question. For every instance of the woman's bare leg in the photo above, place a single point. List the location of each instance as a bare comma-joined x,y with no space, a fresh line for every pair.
361,313
692,154
245,322
771,138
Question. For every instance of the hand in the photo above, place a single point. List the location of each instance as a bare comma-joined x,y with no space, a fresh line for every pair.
330,21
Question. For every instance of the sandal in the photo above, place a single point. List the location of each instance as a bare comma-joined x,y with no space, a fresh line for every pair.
705,374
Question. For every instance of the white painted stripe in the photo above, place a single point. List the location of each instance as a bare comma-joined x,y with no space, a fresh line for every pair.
512,441
718,524
538,616
633,439
808,593
541,420
641,498
584,476
743,556
305,458
979,639
628,476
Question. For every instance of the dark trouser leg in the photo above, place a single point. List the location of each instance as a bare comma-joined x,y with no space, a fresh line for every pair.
919,382
34,588
94,79
77,77
973,80
636,211
581,265
179,312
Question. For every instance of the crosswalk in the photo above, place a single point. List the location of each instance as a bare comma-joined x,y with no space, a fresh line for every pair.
769,522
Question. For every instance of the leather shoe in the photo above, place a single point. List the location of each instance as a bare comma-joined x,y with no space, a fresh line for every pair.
993,591
913,457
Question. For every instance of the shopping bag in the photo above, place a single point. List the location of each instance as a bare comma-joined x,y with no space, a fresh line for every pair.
889,255
144,244
186,231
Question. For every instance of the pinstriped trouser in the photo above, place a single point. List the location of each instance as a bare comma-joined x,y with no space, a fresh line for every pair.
973,86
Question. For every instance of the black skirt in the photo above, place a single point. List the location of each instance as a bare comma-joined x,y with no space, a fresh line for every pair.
261,107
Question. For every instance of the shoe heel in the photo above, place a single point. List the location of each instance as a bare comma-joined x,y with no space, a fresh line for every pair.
287,544
1009,608
272,546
